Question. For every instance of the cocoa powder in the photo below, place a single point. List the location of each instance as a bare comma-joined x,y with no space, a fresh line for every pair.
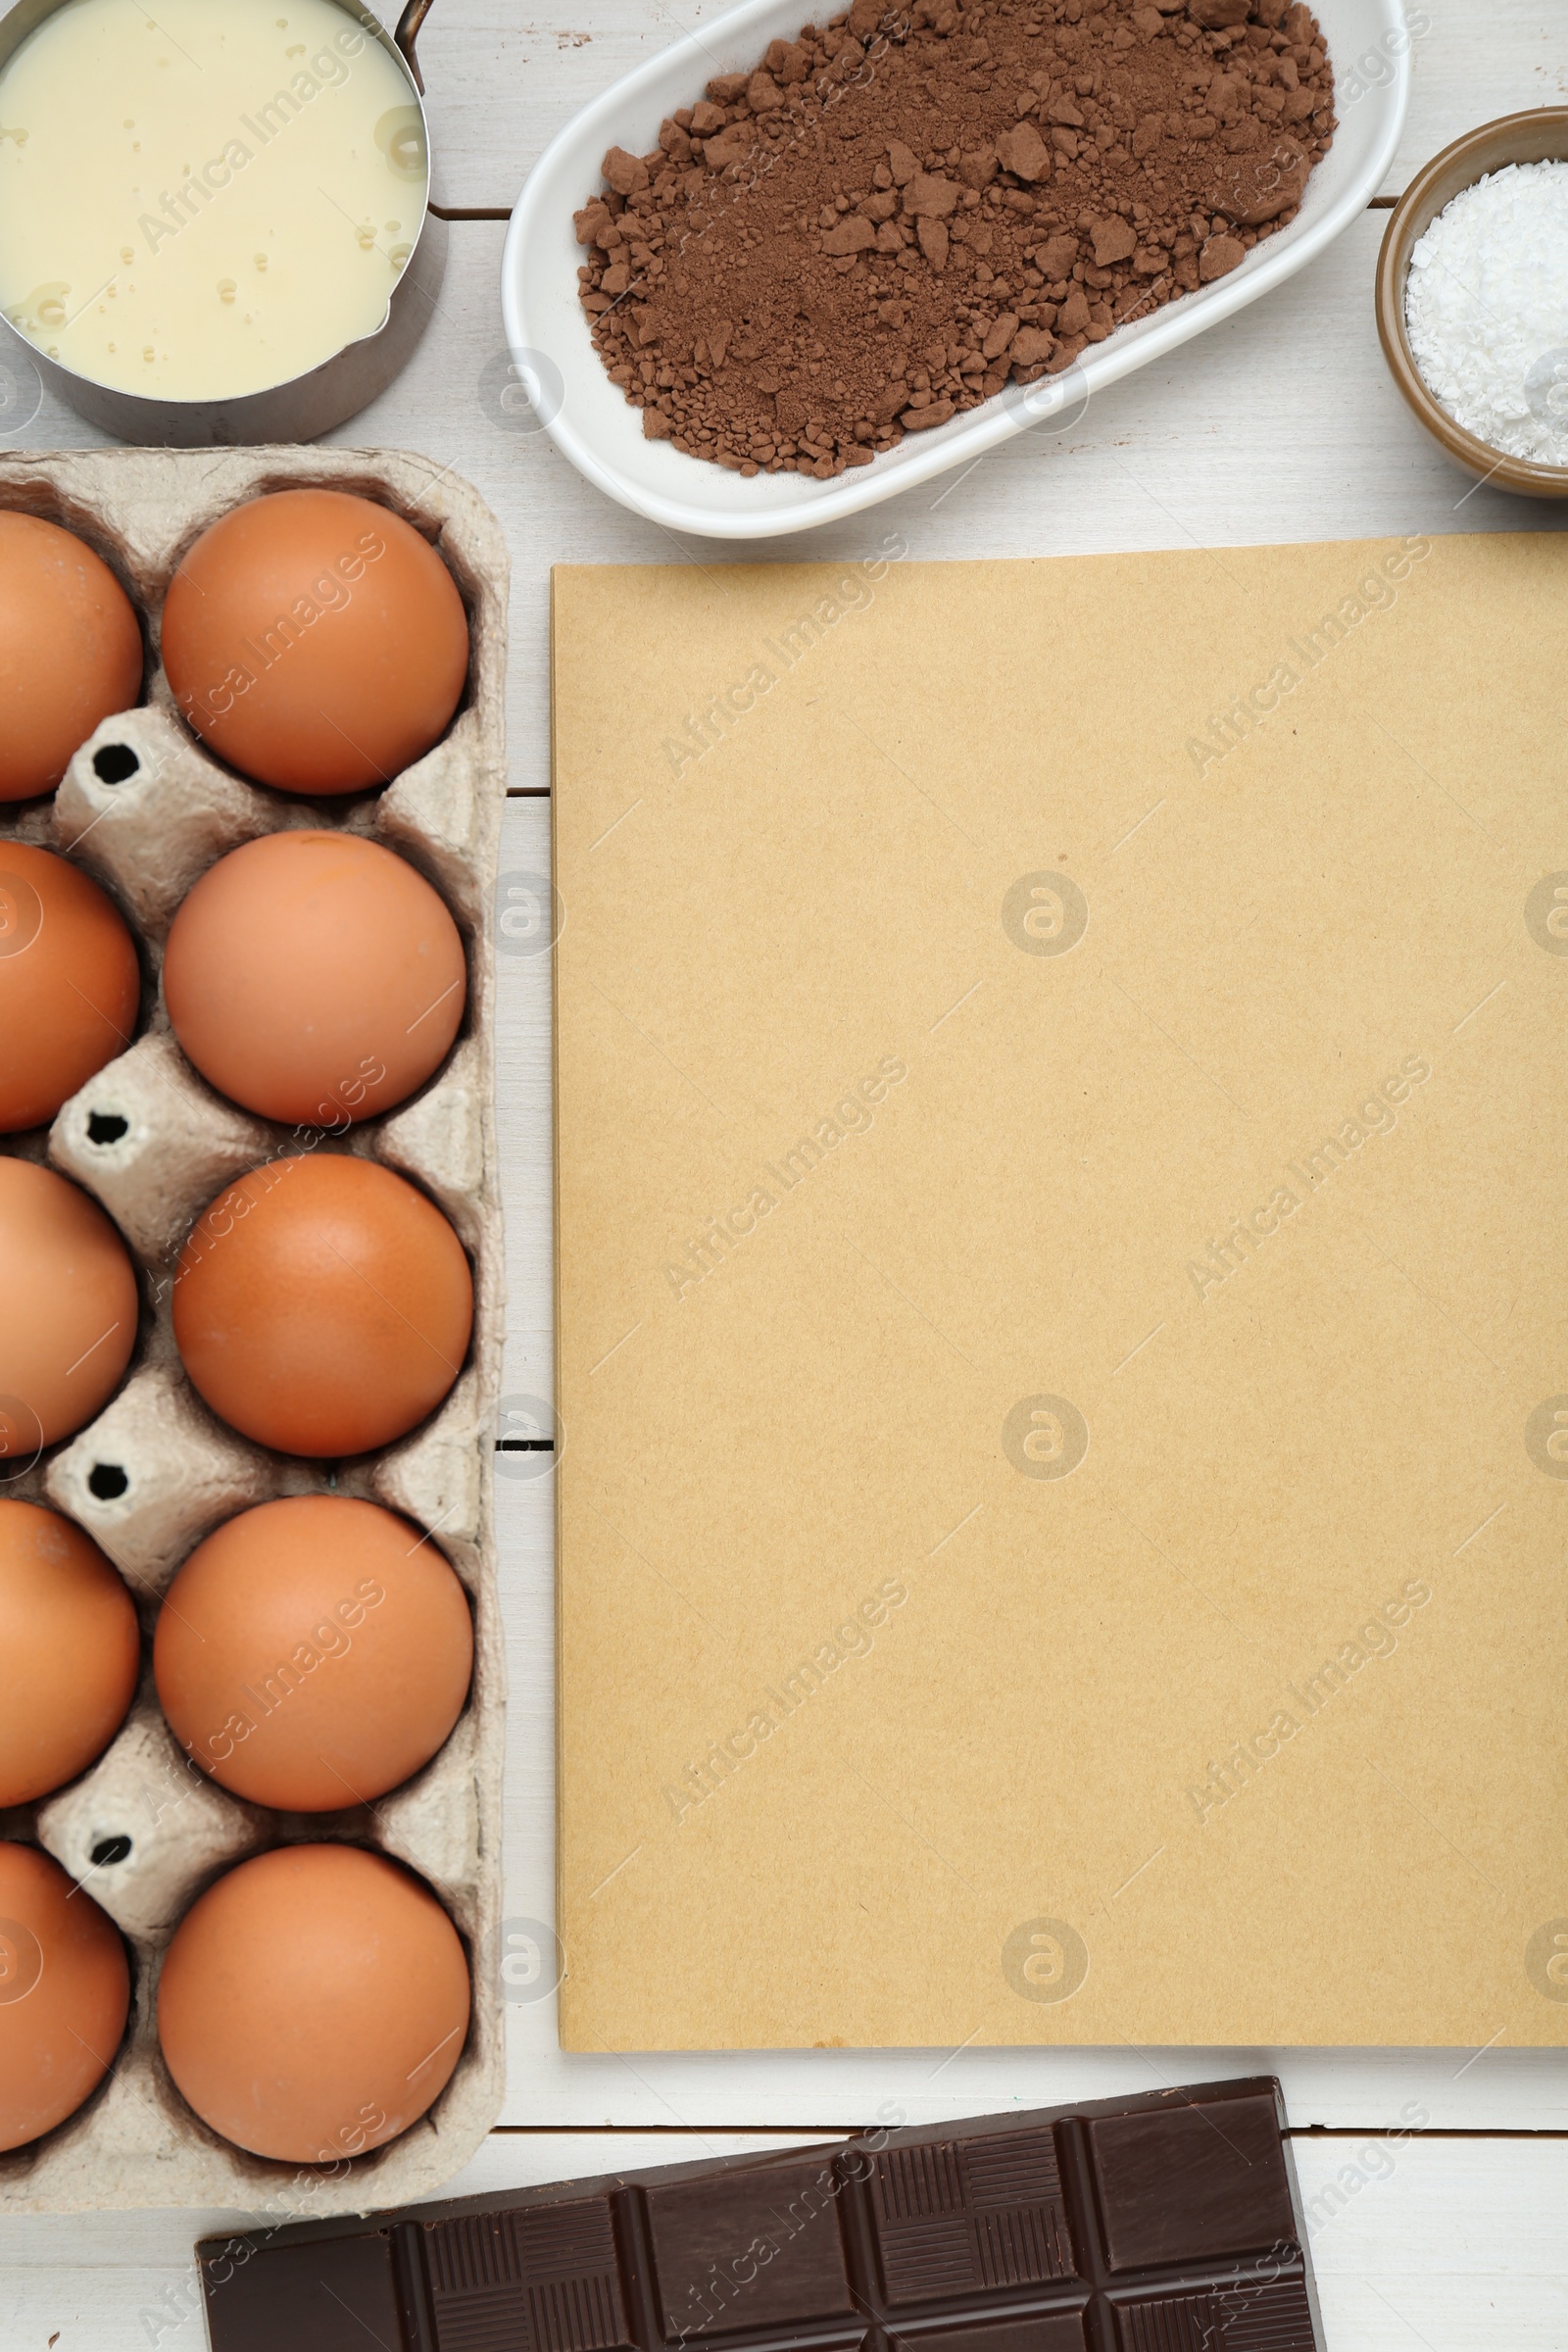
896,212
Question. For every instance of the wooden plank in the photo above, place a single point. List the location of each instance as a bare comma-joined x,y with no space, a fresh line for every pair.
1470,65
1454,2244
1442,2242
500,90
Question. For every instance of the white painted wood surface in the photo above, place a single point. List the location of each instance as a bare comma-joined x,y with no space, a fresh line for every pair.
501,83
1280,427
1459,2245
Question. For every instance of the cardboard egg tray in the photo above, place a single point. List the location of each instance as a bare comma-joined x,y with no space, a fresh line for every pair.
146,811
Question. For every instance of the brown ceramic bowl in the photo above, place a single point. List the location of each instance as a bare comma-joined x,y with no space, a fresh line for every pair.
1537,137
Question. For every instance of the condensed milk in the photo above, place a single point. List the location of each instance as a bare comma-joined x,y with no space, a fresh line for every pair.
209,201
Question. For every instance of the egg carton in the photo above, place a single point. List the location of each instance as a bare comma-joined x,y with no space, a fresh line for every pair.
146,811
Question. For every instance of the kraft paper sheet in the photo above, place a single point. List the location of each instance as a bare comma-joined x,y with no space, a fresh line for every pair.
1063,1333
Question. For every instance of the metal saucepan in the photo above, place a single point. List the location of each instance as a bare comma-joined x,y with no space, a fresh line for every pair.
307,404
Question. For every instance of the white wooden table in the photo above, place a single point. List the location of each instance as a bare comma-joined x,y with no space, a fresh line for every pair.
1280,425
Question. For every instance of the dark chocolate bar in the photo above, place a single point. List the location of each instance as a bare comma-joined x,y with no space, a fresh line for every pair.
1163,2223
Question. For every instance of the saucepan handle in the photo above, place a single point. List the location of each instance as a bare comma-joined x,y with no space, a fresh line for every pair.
408,32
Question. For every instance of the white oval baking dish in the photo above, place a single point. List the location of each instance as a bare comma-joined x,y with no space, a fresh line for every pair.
587,417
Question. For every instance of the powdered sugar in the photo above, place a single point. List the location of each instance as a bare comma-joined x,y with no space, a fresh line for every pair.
1486,310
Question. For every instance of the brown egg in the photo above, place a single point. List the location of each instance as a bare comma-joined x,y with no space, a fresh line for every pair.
68,984
313,1654
70,1650
313,2003
316,641
65,1992
71,652
68,1309
322,1305
315,976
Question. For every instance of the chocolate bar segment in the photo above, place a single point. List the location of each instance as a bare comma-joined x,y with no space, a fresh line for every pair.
542,2279
1259,2316
300,2299
1191,2182
952,2217
1162,2223
757,2249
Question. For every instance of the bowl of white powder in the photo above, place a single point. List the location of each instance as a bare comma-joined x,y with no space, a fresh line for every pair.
1472,301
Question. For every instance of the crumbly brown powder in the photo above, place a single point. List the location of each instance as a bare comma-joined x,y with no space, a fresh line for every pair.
898,212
